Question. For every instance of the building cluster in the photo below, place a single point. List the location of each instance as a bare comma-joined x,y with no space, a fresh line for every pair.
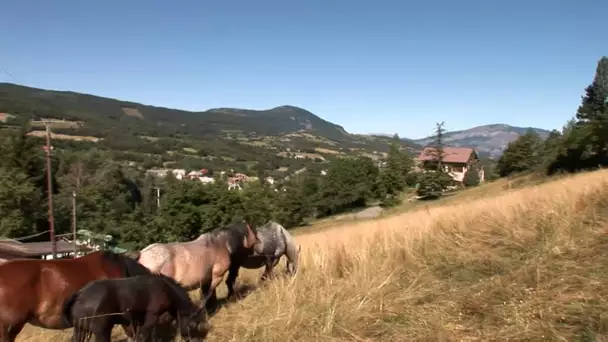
235,180
456,162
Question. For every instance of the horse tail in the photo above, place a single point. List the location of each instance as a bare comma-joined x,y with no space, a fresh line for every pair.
66,310
291,251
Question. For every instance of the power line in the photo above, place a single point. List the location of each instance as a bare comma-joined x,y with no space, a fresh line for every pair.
8,73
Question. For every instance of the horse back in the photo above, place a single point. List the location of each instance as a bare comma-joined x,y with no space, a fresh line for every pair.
35,290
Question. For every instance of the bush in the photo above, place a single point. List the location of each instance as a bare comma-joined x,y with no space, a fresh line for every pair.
471,177
432,184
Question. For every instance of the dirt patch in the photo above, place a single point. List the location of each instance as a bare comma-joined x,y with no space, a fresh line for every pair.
54,123
326,150
134,112
42,134
5,116
301,155
368,213
145,137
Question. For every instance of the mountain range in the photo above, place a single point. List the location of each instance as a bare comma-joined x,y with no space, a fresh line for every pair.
104,118
488,140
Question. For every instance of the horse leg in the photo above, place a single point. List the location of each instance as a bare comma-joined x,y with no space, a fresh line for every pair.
129,330
208,298
268,270
103,335
101,329
79,334
233,273
144,332
215,281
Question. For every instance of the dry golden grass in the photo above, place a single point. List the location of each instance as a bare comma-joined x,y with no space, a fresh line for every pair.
526,265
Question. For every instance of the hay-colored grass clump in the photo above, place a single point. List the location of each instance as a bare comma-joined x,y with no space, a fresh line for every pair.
527,265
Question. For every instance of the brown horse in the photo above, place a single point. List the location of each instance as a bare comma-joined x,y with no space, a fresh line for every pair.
33,291
203,262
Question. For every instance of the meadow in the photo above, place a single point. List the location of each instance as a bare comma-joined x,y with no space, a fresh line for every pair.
515,263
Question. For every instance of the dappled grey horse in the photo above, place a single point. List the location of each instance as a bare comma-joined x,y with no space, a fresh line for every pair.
274,241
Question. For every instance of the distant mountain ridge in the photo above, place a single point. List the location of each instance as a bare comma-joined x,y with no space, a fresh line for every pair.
488,140
101,116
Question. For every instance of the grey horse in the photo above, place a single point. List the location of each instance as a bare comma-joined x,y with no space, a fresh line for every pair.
274,241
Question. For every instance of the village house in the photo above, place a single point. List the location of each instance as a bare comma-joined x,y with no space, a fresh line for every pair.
197,174
241,177
206,179
456,161
234,183
161,173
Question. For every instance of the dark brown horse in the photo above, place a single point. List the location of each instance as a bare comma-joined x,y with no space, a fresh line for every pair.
140,302
33,291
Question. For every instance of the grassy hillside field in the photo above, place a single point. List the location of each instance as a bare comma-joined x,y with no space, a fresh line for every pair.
526,264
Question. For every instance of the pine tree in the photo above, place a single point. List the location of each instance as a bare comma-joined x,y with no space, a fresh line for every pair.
438,151
523,154
471,177
592,114
393,180
432,184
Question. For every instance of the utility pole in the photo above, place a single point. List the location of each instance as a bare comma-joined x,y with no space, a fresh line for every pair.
49,181
157,197
74,222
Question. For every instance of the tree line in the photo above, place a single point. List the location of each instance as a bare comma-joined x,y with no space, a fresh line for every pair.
113,198
580,145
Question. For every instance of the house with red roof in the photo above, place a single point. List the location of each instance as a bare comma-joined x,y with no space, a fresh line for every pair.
456,161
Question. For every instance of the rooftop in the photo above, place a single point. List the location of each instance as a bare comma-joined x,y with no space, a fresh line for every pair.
451,154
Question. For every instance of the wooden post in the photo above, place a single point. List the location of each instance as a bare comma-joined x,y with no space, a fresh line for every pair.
157,197
49,181
74,222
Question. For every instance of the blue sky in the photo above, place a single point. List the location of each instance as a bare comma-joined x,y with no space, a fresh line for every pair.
372,66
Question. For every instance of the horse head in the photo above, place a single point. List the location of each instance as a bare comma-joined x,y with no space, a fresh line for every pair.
292,265
196,326
251,237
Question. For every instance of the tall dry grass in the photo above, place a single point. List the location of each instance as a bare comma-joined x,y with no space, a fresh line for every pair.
527,265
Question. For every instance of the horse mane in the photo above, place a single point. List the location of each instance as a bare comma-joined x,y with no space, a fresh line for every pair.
129,267
233,232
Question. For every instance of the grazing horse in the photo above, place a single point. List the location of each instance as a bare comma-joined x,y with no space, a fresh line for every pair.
33,291
140,302
274,242
201,263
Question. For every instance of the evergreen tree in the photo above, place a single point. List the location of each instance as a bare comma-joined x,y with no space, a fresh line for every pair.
438,146
432,184
392,177
592,114
471,177
522,154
